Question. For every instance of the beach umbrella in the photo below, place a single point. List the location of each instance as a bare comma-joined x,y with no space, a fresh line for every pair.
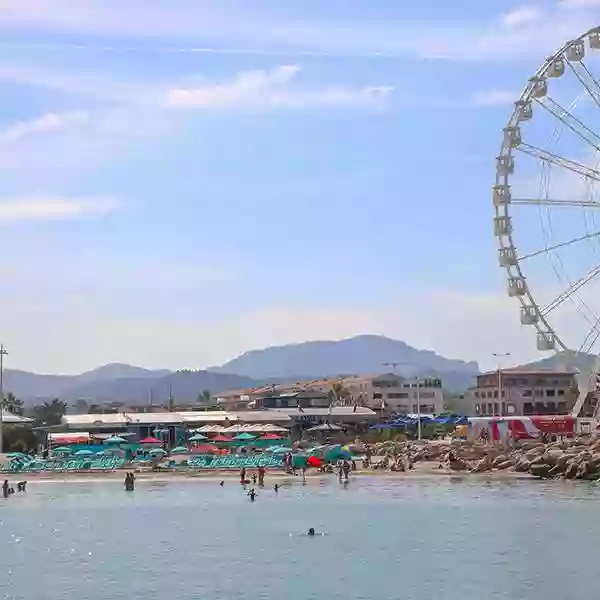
221,438
150,440
115,439
198,437
13,455
244,437
179,450
157,451
101,453
314,461
206,449
325,427
270,436
62,449
84,453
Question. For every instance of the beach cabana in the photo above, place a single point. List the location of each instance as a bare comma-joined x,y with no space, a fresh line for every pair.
198,437
62,450
222,439
179,450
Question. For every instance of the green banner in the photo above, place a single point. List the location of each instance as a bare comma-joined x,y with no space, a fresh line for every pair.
207,461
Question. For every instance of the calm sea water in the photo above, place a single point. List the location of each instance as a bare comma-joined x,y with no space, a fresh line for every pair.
412,539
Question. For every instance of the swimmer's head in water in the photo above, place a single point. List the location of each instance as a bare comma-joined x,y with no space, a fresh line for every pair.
311,531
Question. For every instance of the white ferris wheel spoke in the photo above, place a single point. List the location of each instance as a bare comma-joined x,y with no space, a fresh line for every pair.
561,245
570,120
571,290
591,338
557,203
587,80
560,161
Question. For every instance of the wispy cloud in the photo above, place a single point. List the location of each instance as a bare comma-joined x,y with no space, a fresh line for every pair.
49,208
272,89
493,98
45,124
231,26
524,15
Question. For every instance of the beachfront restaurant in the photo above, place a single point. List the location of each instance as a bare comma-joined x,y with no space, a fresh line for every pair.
169,427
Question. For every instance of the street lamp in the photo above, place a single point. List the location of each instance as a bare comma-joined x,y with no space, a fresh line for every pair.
3,353
395,364
499,356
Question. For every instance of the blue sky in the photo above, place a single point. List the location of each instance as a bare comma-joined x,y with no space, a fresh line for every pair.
182,181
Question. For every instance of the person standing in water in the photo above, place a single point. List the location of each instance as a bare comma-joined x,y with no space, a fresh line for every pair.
252,495
261,476
243,475
5,488
346,469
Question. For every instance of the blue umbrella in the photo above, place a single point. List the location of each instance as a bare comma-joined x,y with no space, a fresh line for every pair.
115,439
84,453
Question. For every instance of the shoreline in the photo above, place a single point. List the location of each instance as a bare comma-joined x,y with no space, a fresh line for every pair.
425,472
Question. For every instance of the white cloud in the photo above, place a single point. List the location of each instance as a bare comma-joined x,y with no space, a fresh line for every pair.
493,98
524,15
271,89
233,27
47,208
51,122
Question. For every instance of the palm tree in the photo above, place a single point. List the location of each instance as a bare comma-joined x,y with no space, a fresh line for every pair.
340,393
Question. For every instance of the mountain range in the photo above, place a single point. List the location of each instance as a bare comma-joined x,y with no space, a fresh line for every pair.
294,362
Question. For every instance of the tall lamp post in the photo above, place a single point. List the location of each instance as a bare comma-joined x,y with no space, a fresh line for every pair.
395,364
3,353
499,356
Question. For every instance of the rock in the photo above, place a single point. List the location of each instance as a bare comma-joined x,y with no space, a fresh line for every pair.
551,457
483,465
502,458
571,470
523,465
505,465
583,470
540,470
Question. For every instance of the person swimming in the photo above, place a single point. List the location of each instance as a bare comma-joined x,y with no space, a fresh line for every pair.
311,532
252,494
221,483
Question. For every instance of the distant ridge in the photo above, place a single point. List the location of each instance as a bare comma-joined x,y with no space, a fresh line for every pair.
309,360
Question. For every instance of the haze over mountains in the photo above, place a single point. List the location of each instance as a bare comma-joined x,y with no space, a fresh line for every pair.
308,360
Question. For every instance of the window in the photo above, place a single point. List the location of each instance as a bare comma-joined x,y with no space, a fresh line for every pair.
550,393
496,394
476,394
397,395
538,393
562,408
477,409
511,409
377,396
427,394
560,392
528,408
496,408
527,393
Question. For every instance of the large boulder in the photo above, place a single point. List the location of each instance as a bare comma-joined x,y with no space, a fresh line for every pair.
505,465
540,470
523,465
482,466
551,457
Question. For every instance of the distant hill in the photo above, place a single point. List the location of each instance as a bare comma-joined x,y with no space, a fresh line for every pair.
361,354
310,360
564,360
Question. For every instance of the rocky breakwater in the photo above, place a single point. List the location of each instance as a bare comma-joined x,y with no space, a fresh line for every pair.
577,459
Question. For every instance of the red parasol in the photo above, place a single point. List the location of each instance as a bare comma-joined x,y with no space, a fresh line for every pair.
314,461
205,449
221,438
270,436
150,440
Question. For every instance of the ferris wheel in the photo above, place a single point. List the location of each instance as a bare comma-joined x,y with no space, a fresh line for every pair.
547,199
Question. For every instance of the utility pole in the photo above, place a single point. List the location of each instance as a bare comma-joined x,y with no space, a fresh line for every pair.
3,353
499,356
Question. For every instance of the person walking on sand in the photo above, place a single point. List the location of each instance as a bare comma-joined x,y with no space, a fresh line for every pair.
261,476
243,475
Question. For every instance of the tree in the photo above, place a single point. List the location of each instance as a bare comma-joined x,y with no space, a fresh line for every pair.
12,404
50,413
340,393
205,397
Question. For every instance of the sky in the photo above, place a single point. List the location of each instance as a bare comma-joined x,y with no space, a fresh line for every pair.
183,181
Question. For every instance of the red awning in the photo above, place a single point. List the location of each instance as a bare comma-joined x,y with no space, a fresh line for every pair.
150,440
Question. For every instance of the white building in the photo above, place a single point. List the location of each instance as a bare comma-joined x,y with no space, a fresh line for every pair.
396,394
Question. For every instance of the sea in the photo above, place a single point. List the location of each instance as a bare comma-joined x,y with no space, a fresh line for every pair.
378,538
